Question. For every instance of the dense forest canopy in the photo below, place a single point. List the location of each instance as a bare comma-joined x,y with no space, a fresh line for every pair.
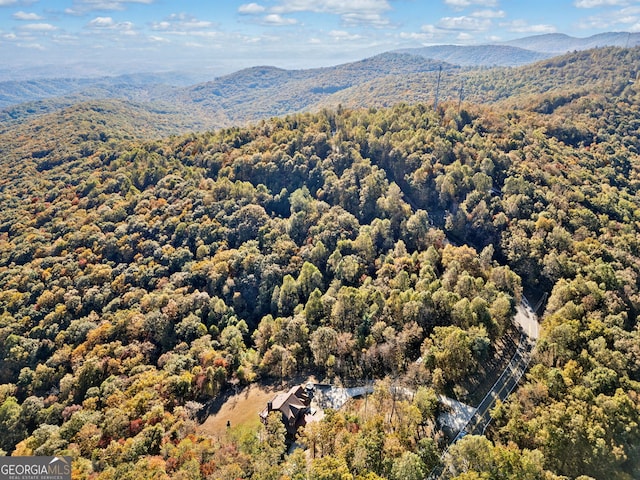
141,279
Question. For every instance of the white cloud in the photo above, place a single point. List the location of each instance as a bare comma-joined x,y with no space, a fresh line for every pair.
352,12
451,29
599,3
27,16
374,19
464,37
343,35
39,27
429,28
183,25
181,22
164,25
613,20
489,14
105,24
251,9
431,34
521,26
13,3
338,7
102,22
32,46
83,6
65,39
467,24
460,4
413,36
126,28
10,36
627,20
278,20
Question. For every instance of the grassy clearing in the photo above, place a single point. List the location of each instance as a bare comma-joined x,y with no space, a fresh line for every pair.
241,410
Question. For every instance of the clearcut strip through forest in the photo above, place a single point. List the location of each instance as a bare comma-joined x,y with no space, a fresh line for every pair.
140,279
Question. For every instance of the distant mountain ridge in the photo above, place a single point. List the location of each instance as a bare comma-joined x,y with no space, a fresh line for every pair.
479,55
522,51
129,86
247,95
558,43
260,92
147,87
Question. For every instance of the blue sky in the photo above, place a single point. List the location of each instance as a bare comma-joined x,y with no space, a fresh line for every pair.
225,35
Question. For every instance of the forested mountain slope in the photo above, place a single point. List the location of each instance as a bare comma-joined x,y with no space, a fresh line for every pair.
86,125
384,80
262,92
139,280
566,76
248,95
124,87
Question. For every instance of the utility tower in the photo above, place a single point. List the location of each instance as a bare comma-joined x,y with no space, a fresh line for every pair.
461,95
435,102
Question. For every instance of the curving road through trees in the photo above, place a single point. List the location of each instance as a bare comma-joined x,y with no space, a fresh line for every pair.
527,322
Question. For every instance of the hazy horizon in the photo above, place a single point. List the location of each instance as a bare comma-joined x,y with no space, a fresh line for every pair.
126,36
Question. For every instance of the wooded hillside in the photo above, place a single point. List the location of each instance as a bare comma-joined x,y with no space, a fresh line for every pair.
140,279
385,80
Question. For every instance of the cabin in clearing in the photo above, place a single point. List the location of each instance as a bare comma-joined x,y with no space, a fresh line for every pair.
294,406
